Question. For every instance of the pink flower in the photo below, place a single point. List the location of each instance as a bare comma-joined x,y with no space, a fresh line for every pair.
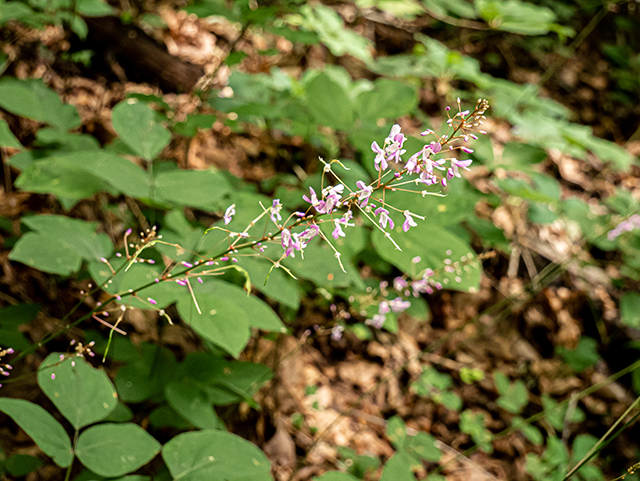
229,213
384,218
408,221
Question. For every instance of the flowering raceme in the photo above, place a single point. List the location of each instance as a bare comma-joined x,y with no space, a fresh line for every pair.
434,164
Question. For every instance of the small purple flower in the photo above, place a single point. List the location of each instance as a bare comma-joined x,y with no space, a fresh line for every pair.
276,207
376,321
384,308
338,232
467,150
332,196
290,243
450,173
434,147
336,332
318,205
381,157
412,165
421,286
364,193
627,225
152,301
384,217
459,164
309,233
399,283
398,305
408,221
229,213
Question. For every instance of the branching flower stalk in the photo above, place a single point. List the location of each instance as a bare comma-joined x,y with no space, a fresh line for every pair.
300,228
335,206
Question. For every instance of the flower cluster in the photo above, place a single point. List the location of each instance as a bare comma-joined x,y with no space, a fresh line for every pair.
421,168
5,369
627,225
434,164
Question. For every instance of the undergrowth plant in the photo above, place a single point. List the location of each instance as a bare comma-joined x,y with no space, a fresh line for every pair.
399,206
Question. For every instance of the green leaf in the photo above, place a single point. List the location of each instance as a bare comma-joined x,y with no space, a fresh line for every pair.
7,139
10,319
191,126
423,446
78,234
516,16
202,189
116,172
41,426
120,414
83,394
630,309
532,433
398,468
227,314
396,431
583,356
138,275
166,417
388,99
94,8
52,176
319,266
227,381
21,464
556,413
473,423
135,123
32,99
48,254
277,284
332,32
215,456
328,103
336,476
513,396
146,375
112,450
59,244
192,402
14,11
444,7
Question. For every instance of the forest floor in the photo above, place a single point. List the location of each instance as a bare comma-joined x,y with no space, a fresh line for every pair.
328,394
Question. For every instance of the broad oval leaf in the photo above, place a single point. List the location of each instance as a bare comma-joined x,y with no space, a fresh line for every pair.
388,99
83,394
48,254
328,103
194,188
215,456
193,403
227,314
41,426
135,123
113,450
399,468
34,100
